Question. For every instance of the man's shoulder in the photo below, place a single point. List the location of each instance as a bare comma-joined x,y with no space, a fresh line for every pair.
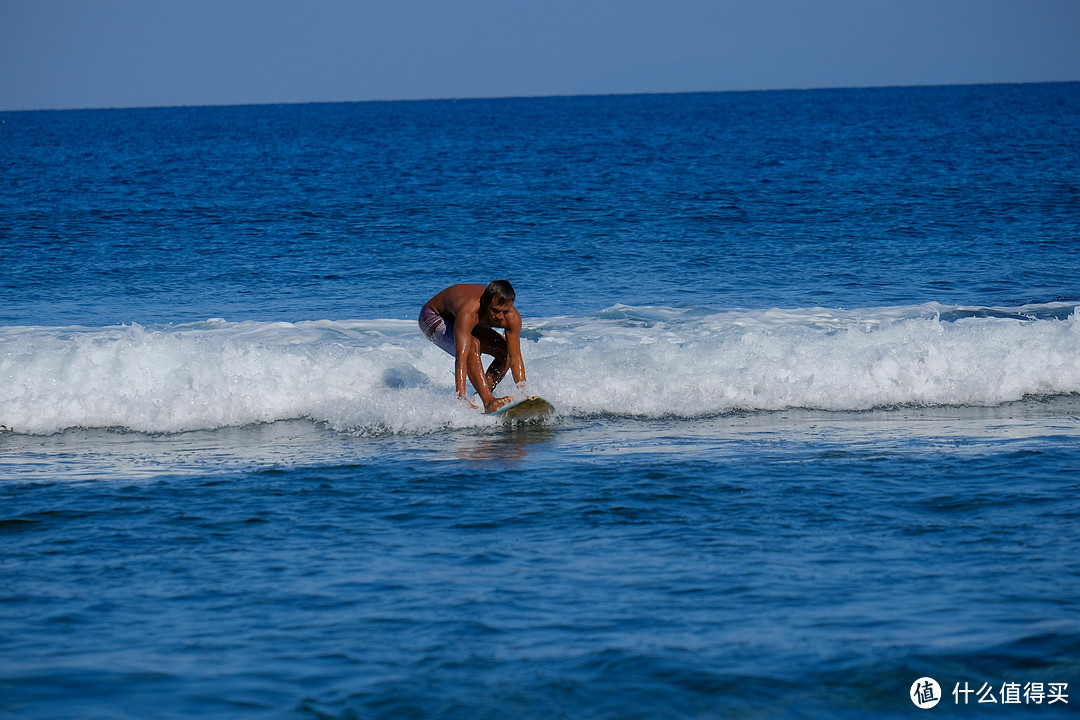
513,320
457,299
470,289
463,300
465,291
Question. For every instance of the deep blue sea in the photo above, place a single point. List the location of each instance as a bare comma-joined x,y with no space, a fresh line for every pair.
815,357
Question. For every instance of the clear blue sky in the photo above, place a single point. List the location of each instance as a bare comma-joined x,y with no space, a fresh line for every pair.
120,53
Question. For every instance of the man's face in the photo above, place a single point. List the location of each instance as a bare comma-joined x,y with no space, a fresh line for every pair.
498,310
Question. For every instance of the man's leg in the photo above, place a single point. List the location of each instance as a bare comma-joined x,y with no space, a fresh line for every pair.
488,342
494,344
479,379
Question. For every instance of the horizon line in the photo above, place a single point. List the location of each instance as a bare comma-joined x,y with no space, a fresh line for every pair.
538,96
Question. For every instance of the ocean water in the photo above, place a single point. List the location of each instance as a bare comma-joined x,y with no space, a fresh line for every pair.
815,357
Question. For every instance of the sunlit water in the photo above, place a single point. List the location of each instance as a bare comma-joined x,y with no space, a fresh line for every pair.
814,357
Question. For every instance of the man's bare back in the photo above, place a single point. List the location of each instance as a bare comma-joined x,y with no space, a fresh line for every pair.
462,320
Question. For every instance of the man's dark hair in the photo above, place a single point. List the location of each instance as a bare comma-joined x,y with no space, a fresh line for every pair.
500,290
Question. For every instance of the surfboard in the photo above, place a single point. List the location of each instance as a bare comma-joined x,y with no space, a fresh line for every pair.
530,408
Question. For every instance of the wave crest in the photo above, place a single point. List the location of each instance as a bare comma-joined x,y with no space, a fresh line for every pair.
381,376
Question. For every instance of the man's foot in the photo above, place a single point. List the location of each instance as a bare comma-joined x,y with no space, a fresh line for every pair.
497,403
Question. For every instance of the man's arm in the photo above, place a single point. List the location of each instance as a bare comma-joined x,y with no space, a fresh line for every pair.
464,324
513,345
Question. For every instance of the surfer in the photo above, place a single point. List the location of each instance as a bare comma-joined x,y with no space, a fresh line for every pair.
462,320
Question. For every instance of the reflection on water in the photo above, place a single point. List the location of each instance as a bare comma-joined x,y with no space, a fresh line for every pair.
103,454
513,442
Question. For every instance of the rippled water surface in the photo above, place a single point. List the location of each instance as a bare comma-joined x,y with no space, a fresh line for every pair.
813,354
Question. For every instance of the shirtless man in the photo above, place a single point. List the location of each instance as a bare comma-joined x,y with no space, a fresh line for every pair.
461,320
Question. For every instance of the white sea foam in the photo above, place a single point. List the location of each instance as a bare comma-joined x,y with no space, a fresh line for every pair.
382,376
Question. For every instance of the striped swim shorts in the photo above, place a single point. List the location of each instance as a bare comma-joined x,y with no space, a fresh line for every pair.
437,330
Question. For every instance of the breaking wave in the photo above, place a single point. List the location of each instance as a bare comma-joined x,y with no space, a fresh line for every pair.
382,376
